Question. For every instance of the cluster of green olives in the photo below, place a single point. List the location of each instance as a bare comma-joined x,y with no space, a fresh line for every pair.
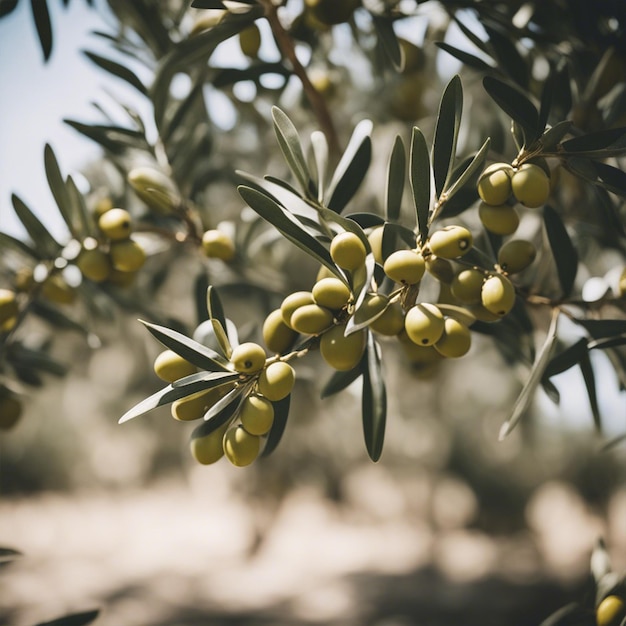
53,288
240,438
115,257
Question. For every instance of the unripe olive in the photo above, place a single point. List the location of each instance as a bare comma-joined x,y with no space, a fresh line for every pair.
531,185
441,269
323,272
277,336
405,266
424,324
494,184
169,366
194,407
216,244
391,322
9,307
451,242
155,188
331,293
57,290
208,449
348,251
500,220
311,319
294,301
611,611
250,41
375,239
127,256
330,12
340,352
240,447
102,206
456,339
10,409
94,264
498,294
516,255
276,381
116,224
257,415
248,357
466,286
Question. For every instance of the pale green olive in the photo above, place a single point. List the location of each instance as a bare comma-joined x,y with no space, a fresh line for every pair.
240,447
127,256
169,366
293,302
116,224
531,185
424,324
500,219
216,244
208,449
331,293
340,352
451,242
405,266
498,294
455,340
466,286
256,415
348,251
248,357
278,337
516,255
311,319
276,381
94,264
494,184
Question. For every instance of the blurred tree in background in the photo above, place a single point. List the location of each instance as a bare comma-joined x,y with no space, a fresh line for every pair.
395,222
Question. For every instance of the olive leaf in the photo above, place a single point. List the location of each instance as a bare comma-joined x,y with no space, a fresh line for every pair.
214,306
74,619
217,421
319,146
118,70
419,176
590,384
374,400
396,173
446,133
18,246
40,235
387,37
281,413
471,60
41,16
505,52
190,350
563,251
340,380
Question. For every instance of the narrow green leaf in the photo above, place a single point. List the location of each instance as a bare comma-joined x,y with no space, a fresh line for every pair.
446,133
590,384
352,167
8,554
611,137
84,223
217,421
396,174
611,178
515,104
7,6
552,137
566,359
222,338
231,75
200,287
289,142
59,190
366,220
563,251
506,53
341,380
599,329
214,306
207,4
470,60
46,243
374,400
56,317
75,619
387,37
232,397
118,70
419,168
191,350
319,145
170,393
536,374
8,241
270,210
41,16
281,413
474,166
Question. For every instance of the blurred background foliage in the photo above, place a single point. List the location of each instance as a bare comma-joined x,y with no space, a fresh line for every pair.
76,359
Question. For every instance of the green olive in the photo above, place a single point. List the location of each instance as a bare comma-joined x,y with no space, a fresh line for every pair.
276,381
451,242
348,251
531,185
216,244
194,407
127,256
456,339
498,294
500,219
331,293
466,286
611,611
250,41
102,206
391,322
516,255
9,307
94,264
293,302
57,290
169,366
155,188
494,184
405,266
424,324
323,272
441,269
116,224
256,415
208,449
248,358
278,337
311,319
375,239
340,352
240,447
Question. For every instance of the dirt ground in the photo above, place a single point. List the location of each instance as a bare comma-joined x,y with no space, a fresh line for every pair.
190,552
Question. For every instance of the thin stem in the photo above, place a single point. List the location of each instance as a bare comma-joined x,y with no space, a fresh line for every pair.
288,50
